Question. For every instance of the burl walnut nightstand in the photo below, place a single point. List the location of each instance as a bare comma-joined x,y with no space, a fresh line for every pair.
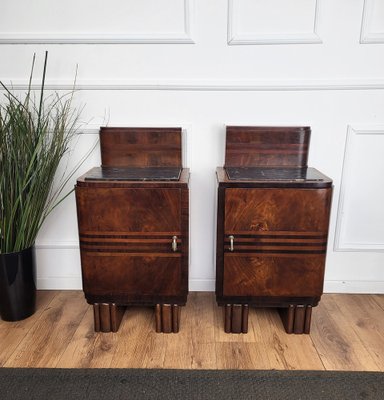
272,227
133,218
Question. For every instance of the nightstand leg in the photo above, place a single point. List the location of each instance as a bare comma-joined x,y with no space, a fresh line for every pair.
236,318
167,318
107,317
296,318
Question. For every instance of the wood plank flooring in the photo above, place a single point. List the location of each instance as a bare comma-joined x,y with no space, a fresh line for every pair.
347,334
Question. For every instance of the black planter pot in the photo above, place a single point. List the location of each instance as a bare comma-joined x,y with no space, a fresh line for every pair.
17,285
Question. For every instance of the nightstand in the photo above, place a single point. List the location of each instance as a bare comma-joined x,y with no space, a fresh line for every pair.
272,227
133,219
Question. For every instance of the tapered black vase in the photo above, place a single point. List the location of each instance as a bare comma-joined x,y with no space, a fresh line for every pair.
17,285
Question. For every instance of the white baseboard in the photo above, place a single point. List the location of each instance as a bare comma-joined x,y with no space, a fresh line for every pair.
367,287
59,283
339,286
74,283
202,285
208,285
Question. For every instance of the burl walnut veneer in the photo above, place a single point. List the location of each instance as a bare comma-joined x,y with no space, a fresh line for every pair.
133,218
272,227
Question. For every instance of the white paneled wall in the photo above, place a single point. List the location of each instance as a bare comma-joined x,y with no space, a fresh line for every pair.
204,64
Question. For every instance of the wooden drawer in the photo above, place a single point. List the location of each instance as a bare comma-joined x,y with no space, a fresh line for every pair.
264,210
128,210
273,275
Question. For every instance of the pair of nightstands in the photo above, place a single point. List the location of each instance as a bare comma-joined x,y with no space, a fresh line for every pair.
272,226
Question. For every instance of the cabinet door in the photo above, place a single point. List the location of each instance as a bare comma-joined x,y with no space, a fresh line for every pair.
275,241
131,241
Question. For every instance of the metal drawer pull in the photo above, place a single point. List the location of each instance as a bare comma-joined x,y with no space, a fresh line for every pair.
231,239
174,243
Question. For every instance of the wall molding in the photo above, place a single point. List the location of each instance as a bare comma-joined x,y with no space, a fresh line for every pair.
184,37
205,85
366,36
339,243
235,38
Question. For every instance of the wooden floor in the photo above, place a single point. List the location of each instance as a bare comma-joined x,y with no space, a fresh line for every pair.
347,334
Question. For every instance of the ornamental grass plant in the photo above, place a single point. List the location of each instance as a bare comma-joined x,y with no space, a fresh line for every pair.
36,131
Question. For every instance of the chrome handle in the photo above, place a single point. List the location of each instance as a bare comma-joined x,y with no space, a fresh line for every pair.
231,239
174,243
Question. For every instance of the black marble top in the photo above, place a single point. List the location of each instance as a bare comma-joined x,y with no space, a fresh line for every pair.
133,174
275,174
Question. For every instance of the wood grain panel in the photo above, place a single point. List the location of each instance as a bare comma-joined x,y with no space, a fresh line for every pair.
263,210
126,274
128,210
254,146
140,147
264,275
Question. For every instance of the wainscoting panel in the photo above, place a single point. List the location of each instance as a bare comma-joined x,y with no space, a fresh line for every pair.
96,22
372,25
273,21
360,218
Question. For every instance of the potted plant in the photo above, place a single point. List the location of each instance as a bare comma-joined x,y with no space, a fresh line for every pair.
35,134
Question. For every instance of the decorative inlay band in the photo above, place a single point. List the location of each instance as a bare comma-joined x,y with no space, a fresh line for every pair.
130,243
292,243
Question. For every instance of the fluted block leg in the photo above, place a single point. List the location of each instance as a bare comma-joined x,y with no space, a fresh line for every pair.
236,318
296,318
107,317
167,318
